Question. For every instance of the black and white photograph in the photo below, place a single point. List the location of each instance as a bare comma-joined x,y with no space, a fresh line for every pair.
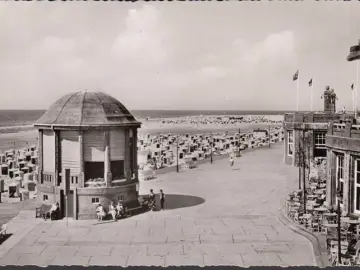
180,133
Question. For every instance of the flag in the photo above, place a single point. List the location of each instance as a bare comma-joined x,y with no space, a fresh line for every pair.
296,75
310,82
352,87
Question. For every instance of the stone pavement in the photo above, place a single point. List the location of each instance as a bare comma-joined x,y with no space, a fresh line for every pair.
216,215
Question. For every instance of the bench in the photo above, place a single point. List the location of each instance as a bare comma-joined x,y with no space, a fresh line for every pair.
44,209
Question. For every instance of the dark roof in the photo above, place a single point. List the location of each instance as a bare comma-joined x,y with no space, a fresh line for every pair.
87,109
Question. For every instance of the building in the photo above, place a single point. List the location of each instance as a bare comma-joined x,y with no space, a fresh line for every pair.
95,137
343,151
343,170
305,133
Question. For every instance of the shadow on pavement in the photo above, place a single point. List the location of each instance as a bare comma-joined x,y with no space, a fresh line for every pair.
175,201
3,238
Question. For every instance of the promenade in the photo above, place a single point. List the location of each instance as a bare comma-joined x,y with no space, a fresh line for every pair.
216,215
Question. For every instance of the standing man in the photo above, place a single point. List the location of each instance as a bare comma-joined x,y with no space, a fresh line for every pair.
162,199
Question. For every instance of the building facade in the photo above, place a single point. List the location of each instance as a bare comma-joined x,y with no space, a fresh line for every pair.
95,137
343,170
305,134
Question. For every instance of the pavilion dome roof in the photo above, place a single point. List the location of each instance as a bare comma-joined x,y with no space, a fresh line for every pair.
87,109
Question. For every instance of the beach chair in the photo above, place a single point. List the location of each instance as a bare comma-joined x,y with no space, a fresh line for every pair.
185,166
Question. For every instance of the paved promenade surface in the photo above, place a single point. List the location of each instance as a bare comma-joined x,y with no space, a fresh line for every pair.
216,215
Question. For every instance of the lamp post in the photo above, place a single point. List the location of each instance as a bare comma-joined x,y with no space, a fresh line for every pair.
354,55
269,136
211,146
338,195
298,152
303,169
239,143
177,153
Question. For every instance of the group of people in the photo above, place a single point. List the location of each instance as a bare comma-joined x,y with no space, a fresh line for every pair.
152,200
114,211
119,210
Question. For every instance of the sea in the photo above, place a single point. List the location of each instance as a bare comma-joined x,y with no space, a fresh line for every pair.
28,117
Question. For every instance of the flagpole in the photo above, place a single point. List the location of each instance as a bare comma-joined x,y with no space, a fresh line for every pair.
297,92
312,92
353,98
357,87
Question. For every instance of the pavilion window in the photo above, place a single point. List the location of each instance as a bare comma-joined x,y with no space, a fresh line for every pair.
320,145
357,187
45,198
94,171
118,169
290,148
340,176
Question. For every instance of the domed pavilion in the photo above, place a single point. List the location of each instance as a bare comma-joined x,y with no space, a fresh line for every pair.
91,138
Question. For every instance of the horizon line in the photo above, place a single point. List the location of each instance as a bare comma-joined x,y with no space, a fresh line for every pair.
195,110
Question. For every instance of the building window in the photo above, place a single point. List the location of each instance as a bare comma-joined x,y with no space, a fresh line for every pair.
357,187
118,169
45,198
74,179
47,178
319,144
340,176
95,200
290,147
121,197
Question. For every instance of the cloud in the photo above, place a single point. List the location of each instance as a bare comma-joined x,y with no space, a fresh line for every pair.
165,56
244,70
141,42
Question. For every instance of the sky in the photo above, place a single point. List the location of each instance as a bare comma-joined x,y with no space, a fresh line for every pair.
178,55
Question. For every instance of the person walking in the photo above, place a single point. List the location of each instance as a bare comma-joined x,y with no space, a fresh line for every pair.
231,161
162,199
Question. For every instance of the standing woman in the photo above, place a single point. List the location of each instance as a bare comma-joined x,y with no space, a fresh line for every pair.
162,199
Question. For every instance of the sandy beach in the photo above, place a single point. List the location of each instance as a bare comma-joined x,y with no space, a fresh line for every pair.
16,137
